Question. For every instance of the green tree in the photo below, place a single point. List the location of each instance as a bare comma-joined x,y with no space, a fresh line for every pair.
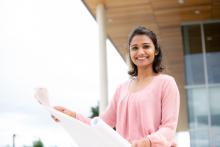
95,111
38,143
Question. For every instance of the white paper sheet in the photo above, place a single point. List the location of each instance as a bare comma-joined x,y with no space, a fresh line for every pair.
98,134
42,96
109,135
84,135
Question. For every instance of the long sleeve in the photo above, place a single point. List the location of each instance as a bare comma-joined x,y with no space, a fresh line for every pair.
83,119
109,116
170,110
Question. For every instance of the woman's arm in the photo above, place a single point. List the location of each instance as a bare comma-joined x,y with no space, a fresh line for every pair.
72,114
170,111
109,116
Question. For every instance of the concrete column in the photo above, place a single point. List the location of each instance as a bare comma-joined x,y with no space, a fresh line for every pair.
101,20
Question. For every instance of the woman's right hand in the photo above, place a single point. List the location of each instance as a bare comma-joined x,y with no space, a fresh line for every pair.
65,111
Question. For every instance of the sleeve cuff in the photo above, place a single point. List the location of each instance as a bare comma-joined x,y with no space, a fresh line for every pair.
82,118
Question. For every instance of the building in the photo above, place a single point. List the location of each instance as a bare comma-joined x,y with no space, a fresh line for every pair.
189,32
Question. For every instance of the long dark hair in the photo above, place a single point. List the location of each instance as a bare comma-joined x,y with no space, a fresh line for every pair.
157,65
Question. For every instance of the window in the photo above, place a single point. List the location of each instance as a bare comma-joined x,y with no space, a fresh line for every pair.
202,66
193,55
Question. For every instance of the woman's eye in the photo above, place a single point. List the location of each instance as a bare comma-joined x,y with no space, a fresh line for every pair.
134,48
146,46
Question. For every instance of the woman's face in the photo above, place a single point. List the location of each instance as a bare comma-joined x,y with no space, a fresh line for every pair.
142,51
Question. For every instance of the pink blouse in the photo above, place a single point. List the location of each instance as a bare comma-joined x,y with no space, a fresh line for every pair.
150,112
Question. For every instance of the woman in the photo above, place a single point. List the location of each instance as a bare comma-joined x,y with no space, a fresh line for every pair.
144,110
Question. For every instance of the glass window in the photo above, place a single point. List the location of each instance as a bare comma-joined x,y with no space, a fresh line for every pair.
198,109
193,55
202,66
199,138
216,136
212,43
214,96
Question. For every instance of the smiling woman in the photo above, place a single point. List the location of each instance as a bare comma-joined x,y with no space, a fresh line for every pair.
144,109
149,50
142,54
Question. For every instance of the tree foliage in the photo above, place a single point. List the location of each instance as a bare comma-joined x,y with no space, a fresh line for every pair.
94,111
38,143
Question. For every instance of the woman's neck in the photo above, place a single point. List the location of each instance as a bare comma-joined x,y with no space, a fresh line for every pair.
145,74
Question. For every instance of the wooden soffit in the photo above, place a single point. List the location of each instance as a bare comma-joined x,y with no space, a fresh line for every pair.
123,15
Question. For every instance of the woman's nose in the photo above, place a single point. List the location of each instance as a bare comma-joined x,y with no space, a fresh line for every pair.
140,50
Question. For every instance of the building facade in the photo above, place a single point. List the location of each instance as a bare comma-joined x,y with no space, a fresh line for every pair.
189,33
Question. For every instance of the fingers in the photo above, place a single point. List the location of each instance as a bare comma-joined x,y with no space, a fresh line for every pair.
141,143
65,111
70,113
55,119
134,144
60,108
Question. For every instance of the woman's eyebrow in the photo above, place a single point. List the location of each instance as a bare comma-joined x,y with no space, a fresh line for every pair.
133,45
147,43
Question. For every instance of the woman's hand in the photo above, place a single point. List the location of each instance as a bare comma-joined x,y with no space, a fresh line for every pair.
145,142
65,111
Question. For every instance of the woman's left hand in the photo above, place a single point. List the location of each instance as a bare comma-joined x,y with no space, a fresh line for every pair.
145,142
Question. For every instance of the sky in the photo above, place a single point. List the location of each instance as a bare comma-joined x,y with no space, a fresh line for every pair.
51,44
